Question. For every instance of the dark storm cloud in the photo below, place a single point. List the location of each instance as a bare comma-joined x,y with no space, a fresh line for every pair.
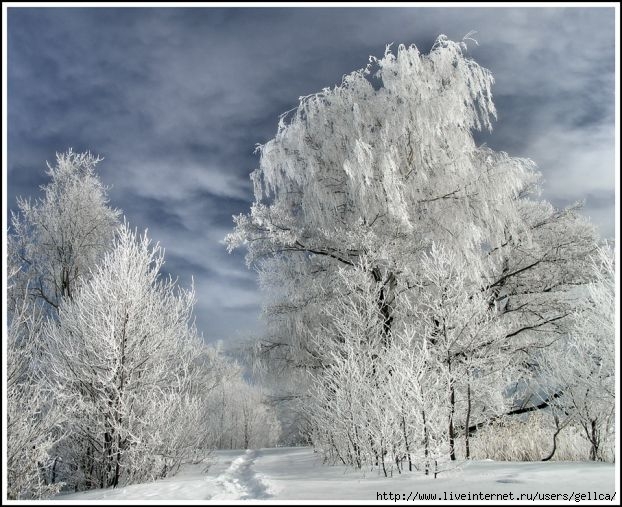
176,99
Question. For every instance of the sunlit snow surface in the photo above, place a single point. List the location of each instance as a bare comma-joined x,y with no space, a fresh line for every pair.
298,474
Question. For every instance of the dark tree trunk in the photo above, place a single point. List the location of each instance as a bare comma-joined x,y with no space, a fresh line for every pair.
106,476
382,453
594,438
452,407
385,302
53,478
452,437
426,443
121,380
406,444
467,448
117,467
558,428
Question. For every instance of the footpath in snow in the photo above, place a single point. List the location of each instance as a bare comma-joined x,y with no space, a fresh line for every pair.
298,474
240,481
230,477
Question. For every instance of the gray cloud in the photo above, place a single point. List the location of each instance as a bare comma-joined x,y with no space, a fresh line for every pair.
175,100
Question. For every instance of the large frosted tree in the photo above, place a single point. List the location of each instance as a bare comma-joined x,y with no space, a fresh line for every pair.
382,167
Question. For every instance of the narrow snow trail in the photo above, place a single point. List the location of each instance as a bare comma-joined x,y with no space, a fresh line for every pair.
231,476
240,481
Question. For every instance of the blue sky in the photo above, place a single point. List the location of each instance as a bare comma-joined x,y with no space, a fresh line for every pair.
175,100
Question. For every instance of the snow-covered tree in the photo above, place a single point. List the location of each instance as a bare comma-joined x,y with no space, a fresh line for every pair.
63,235
351,380
380,172
32,418
382,167
120,359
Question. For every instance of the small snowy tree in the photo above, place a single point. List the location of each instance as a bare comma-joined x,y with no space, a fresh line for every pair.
582,368
63,235
119,354
349,378
465,340
372,404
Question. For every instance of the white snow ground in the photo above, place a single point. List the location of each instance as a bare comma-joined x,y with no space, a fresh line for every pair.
297,474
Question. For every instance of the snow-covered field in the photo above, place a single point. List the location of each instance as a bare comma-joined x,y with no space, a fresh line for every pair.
297,474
